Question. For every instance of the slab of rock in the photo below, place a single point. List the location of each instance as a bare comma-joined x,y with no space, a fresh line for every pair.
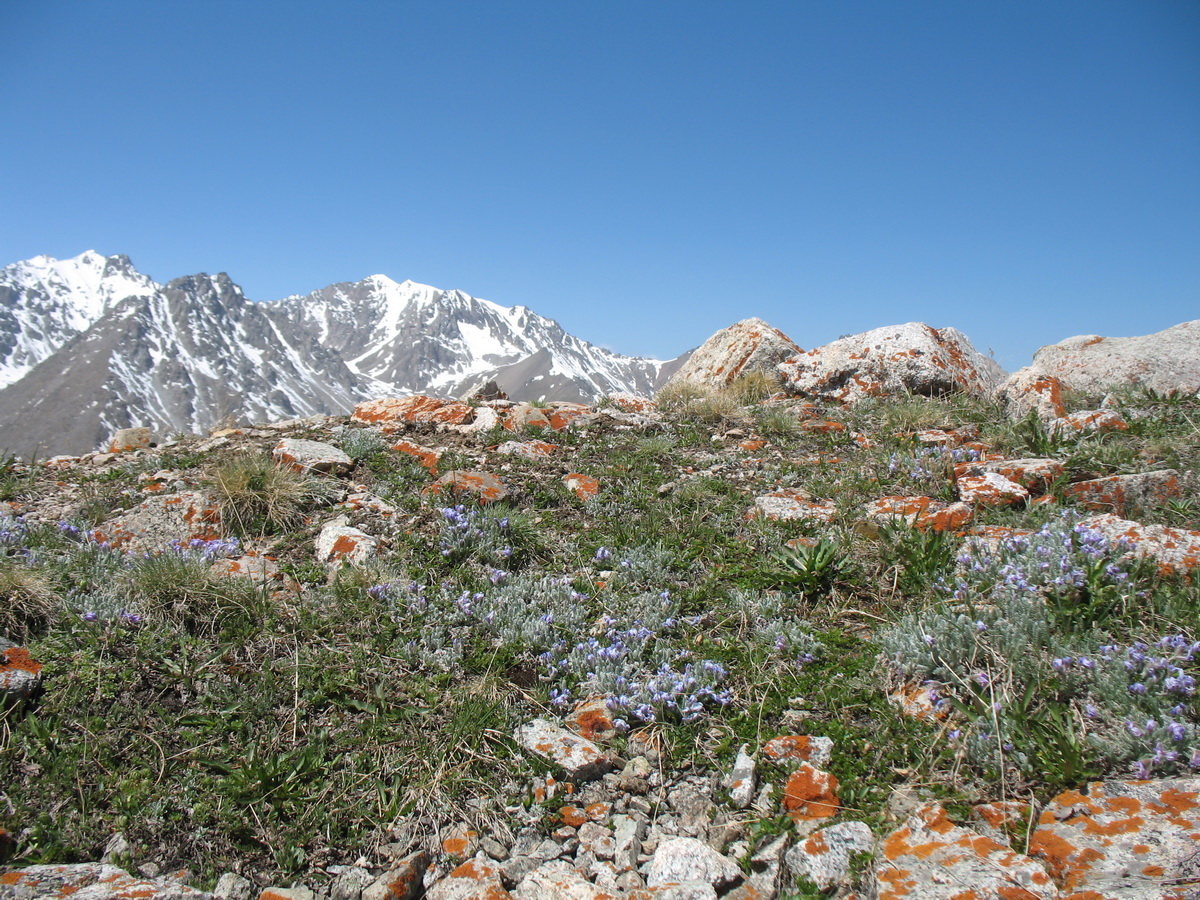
894,361
1122,494
932,858
1092,421
232,886
585,487
1035,475
481,486
311,456
681,859
89,881
20,674
793,749
750,345
824,857
126,440
991,489
426,456
923,513
1166,362
338,542
1175,550
559,879
1133,840
162,520
810,794
403,881
526,415
579,758
794,504
527,449
473,880
1029,391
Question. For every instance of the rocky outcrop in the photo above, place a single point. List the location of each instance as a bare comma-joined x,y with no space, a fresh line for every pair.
1166,362
750,345
892,361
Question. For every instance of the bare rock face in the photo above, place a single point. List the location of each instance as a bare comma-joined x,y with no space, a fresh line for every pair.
892,361
1168,361
750,345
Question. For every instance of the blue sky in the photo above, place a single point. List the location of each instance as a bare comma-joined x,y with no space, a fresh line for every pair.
644,172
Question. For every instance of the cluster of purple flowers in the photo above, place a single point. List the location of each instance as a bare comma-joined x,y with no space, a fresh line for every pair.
466,531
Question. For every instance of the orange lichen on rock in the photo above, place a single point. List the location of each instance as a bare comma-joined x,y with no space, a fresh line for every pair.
425,456
482,486
792,749
585,487
811,793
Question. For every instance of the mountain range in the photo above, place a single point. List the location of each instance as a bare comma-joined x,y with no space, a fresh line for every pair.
89,345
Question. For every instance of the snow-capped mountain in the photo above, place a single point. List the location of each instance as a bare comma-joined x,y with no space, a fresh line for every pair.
89,344
44,302
417,339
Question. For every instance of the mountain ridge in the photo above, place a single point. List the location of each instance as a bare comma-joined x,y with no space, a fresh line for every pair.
89,344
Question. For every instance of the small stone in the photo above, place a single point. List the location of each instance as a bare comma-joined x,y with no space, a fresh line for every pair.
311,456
683,859
597,840
493,848
350,883
579,758
340,543
558,880
824,858
116,849
126,440
232,886
473,880
20,674
793,749
810,794
481,486
741,781
627,841
403,881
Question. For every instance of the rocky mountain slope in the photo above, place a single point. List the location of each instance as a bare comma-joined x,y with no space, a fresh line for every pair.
732,643
89,344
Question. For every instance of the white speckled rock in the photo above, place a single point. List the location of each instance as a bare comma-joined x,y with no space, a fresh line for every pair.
824,857
893,361
747,346
311,456
579,758
683,859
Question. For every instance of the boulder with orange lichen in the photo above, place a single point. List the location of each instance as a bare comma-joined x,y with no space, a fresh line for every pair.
990,489
1122,494
894,361
473,880
1136,840
931,858
20,674
1175,550
579,758
824,857
810,795
339,543
923,513
162,520
479,486
1092,421
585,487
90,881
311,456
1035,475
750,345
793,504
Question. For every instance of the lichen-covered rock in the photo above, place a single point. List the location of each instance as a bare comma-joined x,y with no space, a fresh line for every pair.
339,543
742,780
526,415
990,489
810,794
680,859
1167,361
793,504
311,456
126,440
1030,391
593,720
20,674
160,521
480,486
931,858
1175,550
579,758
923,513
1092,421
401,882
792,749
559,880
892,361
585,487
1122,839
1035,475
527,449
394,413
426,456
89,881
1122,494
750,345
824,857
473,880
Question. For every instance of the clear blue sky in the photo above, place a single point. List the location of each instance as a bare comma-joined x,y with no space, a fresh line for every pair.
644,172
